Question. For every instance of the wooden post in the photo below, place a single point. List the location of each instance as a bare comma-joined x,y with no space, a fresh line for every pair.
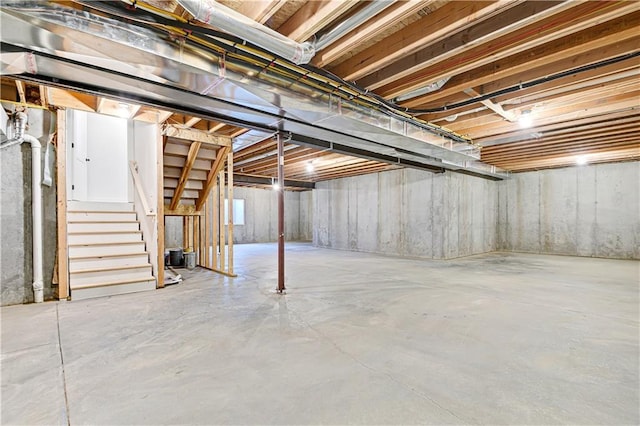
281,287
230,213
216,223
160,207
207,233
61,189
223,243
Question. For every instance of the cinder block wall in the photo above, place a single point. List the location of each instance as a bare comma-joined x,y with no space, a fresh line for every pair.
579,211
407,212
16,267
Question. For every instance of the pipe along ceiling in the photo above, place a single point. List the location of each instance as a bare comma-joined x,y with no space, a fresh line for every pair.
157,58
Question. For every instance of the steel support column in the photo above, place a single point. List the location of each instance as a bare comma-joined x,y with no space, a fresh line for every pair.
280,213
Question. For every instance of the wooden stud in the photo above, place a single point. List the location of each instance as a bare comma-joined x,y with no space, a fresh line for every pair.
207,233
230,213
61,203
223,265
215,217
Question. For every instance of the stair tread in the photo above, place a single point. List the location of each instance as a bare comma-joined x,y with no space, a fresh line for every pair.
102,211
102,221
105,244
98,256
109,283
136,231
111,268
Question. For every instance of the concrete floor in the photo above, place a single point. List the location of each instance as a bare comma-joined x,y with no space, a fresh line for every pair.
358,339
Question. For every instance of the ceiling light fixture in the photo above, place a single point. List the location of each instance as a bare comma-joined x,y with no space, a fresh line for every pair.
310,167
581,160
123,110
274,185
526,118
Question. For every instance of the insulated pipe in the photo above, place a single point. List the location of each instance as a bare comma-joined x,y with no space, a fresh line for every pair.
20,123
213,13
369,11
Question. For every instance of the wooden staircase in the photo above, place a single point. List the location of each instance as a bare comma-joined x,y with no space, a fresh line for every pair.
107,254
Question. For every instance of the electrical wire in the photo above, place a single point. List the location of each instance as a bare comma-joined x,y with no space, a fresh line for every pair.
244,54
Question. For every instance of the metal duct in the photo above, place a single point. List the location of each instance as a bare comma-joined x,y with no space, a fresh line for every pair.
370,10
56,47
423,90
215,14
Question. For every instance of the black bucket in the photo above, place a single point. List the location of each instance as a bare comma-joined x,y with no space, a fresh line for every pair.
175,257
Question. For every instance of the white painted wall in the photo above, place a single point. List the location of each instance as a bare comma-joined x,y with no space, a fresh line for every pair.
144,142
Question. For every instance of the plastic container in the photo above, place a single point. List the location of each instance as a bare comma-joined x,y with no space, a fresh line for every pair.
190,260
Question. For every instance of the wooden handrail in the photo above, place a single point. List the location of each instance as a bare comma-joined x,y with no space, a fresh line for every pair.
133,166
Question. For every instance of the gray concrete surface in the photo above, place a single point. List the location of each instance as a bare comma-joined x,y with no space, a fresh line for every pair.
407,212
584,211
358,339
261,219
16,268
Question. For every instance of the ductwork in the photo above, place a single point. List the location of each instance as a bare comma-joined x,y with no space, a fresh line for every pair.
370,10
110,57
215,14
19,125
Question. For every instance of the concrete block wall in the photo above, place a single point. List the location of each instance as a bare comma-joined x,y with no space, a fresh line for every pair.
408,213
581,211
16,268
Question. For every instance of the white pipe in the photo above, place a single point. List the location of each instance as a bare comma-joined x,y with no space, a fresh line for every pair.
20,124
36,211
213,13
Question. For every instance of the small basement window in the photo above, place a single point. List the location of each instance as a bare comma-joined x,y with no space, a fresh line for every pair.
238,211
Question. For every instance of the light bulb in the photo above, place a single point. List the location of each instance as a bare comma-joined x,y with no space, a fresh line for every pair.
581,160
526,119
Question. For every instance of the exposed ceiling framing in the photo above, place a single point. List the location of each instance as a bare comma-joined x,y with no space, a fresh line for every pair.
573,67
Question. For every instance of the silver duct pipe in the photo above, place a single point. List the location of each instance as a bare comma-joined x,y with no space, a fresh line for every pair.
423,90
369,11
215,14
19,125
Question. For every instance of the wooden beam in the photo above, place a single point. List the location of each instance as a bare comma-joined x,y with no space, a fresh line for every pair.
389,17
181,210
20,86
211,176
61,203
582,49
314,16
454,16
163,116
502,35
195,135
43,96
190,122
260,10
507,115
186,170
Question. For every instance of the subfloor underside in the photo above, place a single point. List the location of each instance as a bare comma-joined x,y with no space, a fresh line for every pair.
358,339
